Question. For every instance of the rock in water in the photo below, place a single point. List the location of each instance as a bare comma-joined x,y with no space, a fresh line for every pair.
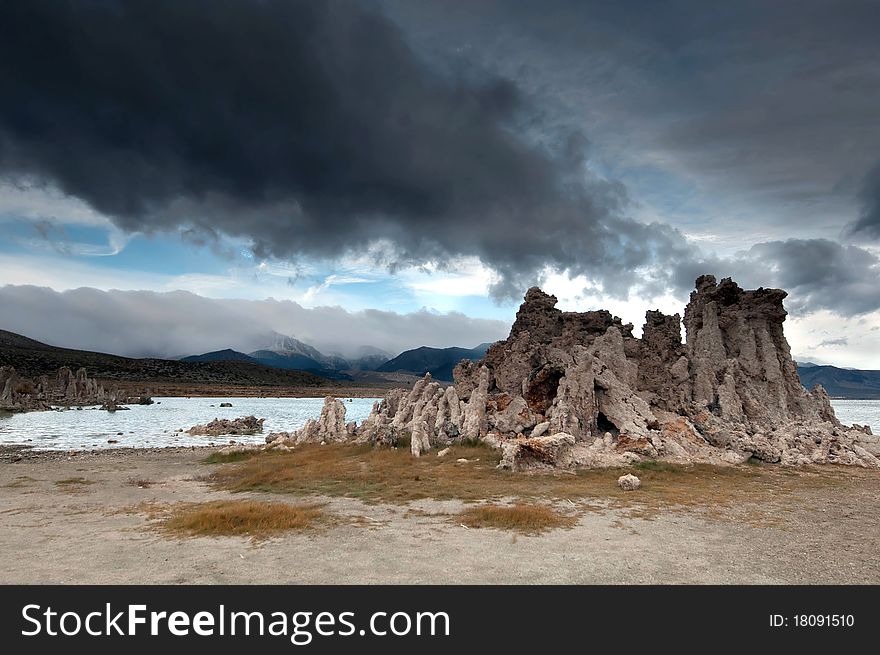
628,482
222,426
329,427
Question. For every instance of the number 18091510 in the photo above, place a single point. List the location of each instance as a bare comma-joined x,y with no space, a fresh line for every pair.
813,621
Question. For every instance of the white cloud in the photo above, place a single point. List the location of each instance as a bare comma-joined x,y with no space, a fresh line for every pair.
580,294
32,202
827,337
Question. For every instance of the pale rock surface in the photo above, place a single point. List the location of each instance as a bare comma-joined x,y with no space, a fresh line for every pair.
628,482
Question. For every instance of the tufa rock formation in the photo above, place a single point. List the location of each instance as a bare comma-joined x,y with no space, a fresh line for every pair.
64,389
329,427
573,389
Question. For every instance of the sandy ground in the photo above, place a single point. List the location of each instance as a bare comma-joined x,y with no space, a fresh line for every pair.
88,533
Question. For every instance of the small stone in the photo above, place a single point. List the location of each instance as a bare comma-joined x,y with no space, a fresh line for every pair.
629,482
540,429
443,453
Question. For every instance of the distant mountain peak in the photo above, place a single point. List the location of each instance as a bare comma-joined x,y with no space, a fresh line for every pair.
287,345
439,362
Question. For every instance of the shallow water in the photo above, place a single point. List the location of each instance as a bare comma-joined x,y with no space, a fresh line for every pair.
152,426
863,412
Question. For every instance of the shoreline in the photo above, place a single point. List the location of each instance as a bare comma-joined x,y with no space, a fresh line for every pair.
14,453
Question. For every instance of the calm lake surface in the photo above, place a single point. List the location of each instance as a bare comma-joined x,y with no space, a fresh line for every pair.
156,425
152,426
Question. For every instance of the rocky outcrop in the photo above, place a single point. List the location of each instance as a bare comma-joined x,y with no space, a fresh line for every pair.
526,454
220,427
64,389
572,389
330,427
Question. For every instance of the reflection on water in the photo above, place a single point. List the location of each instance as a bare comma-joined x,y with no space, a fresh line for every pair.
156,425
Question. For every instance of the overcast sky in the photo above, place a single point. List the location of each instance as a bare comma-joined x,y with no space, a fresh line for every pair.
398,172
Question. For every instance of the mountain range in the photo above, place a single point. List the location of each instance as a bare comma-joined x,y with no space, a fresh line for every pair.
439,362
33,358
842,382
289,353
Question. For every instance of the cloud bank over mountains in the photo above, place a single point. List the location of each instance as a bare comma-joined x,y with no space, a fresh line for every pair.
179,323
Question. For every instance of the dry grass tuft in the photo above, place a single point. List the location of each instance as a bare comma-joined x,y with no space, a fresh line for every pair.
228,458
74,482
522,518
255,519
19,482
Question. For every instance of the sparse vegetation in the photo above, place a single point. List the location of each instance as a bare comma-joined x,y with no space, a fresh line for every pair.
656,466
394,476
19,482
226,458
522,518
74,482
255,519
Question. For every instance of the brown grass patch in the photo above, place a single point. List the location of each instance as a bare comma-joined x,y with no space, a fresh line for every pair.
228,458
522,518
19,482
74,482
255,519
394,476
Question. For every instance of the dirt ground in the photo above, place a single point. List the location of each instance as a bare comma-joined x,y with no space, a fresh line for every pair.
85,519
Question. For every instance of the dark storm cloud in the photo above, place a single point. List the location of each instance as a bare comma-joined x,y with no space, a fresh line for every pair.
305,127
817,273
764,111
868,224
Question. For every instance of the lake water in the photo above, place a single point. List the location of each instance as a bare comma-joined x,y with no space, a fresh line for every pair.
156,425
863,412
150,426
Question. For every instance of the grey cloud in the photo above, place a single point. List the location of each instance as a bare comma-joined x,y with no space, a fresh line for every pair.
817,273
868,223
761,112
309,128
147,323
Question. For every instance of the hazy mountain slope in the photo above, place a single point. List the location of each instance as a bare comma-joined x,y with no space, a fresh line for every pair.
842,382
439,362
226,355
33,358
